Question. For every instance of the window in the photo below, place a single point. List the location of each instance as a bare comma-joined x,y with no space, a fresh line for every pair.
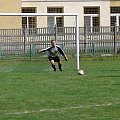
115,10
29,22
58,20
115,17
91,19
119,20
93,10
54,10
113,20
28,10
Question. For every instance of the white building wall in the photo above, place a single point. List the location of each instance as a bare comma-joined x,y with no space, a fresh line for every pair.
105,14
71,7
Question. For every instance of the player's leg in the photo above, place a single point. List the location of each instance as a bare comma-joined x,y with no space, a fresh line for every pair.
57,59
60,65
52,63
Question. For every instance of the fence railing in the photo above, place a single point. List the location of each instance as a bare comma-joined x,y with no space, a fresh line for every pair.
97,40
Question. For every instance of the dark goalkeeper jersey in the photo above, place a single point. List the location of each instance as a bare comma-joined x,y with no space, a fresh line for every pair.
53,51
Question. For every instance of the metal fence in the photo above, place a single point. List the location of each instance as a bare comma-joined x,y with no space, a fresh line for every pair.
96,41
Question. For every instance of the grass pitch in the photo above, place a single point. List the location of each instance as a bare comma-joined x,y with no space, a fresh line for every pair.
30,90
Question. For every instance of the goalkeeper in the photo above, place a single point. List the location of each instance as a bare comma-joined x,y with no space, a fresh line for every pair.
53,54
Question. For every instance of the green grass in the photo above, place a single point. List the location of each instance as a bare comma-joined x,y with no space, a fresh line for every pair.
31,86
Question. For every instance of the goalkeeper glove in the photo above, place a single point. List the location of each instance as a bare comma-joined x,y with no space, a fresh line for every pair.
66,58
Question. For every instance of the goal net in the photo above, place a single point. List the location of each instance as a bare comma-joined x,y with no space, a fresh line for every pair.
30,32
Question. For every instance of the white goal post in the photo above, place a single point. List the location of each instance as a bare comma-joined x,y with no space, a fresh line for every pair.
55,14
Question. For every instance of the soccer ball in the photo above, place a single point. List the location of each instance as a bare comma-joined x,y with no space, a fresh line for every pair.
80,72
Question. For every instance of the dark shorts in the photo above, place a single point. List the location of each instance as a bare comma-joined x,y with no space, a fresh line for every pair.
56,59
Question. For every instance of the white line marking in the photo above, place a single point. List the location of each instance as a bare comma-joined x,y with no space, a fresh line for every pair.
58,109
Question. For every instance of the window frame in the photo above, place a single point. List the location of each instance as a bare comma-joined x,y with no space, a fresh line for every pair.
30,30
55,17
92,28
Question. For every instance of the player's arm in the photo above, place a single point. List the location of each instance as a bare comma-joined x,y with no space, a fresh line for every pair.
44,50
62,53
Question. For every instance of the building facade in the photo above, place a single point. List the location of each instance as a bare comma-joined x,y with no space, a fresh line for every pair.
115,12
91,13
10,6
